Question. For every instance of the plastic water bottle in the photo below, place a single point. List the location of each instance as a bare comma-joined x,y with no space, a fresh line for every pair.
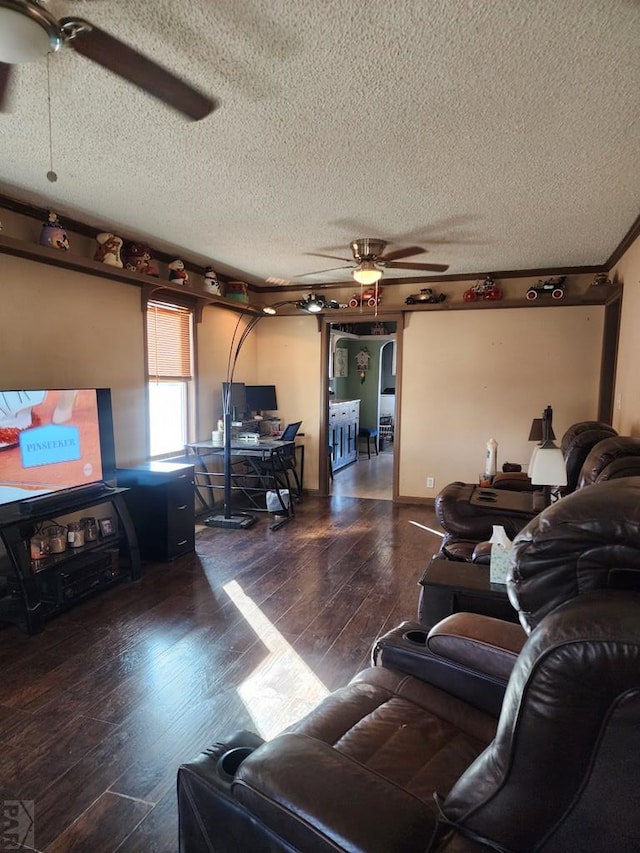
492,457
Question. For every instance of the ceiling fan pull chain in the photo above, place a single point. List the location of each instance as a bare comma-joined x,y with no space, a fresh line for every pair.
51,174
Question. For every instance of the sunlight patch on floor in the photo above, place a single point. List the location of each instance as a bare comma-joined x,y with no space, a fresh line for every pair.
428,529
282,689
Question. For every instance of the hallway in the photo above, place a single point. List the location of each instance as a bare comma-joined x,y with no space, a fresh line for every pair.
366,478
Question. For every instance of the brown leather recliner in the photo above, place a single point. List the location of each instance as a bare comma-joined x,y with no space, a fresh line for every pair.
399,763
466,525
610,459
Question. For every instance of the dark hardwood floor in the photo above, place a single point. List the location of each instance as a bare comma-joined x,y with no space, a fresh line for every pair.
98,710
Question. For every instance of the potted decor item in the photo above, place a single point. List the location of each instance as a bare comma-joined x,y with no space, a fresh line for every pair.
53,234
137,258
211,283
109,249
237,291
177,272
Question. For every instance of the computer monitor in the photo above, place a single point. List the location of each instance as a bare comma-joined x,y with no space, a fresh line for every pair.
261,398
238,399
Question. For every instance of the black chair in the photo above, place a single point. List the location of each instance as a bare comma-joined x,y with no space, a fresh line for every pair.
280,469
370,434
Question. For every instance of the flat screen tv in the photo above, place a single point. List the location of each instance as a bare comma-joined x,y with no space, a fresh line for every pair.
53,441
261,398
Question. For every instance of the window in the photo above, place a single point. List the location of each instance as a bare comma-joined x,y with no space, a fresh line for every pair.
170,376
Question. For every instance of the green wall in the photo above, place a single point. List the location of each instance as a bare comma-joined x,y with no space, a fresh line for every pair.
350,387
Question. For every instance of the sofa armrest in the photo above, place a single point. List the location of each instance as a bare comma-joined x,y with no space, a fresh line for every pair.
481,643
513,481
318,799
405,649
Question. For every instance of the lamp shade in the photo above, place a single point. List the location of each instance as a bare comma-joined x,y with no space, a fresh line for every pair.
27,33
537,430
367,273
547,467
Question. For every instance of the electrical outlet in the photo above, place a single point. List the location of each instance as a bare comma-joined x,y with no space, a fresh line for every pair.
430,483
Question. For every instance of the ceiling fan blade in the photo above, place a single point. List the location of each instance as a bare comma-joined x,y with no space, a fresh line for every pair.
111,53
331,269
332,257
400,253
427,267
5,77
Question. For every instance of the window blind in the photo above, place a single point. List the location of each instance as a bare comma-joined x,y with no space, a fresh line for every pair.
168,341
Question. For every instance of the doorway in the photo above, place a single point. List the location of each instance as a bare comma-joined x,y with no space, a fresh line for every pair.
361,370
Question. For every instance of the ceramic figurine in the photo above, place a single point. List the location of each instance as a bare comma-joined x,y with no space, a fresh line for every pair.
136,257
53,234
177,272
108,251
237,291
211,283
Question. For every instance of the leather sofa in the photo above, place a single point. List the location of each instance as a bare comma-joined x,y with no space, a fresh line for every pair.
409,757
466,525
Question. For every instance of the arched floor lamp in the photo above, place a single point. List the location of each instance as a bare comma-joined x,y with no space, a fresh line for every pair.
242,520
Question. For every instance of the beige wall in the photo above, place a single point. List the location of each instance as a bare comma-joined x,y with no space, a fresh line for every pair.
288,350
626,415
62,329
468,376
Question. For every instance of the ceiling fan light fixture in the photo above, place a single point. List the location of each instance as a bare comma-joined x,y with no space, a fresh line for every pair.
27,32
367,273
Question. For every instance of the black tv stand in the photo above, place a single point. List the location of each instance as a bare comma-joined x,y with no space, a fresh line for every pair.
30,593
59,501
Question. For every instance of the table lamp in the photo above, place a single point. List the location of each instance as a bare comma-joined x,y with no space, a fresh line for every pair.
547,467
536,431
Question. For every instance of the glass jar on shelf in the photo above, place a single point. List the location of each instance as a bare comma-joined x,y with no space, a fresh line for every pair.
90,527
75,534
57,538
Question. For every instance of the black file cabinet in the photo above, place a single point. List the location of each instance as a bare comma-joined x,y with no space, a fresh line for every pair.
161,504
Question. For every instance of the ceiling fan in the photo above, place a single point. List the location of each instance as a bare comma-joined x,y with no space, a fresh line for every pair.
370,260
29,31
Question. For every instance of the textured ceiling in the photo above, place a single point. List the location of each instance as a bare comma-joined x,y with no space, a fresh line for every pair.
498,134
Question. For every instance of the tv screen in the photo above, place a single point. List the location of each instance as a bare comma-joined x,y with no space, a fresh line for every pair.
261,398
50,440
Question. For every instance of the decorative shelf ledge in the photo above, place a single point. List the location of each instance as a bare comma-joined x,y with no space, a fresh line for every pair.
593,295
69,261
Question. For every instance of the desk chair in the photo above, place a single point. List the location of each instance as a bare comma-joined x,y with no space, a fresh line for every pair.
286,462
371,434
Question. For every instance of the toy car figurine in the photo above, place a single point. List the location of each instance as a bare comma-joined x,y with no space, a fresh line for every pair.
486,289
550,286
370,296
426,295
